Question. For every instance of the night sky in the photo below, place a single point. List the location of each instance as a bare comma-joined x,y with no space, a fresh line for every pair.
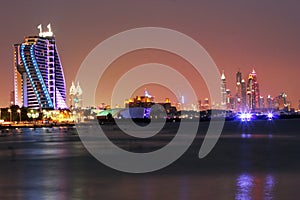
237,34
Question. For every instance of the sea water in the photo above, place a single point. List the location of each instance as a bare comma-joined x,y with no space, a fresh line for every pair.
255,160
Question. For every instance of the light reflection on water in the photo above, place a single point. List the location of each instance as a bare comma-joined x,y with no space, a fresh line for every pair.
244,187
254,187
51,164
269,187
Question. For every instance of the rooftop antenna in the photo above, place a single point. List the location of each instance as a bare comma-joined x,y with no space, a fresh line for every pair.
49,28
40,28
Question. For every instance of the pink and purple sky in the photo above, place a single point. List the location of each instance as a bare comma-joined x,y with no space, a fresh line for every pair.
236,34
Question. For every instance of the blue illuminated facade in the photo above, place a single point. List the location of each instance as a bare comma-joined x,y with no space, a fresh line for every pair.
39,78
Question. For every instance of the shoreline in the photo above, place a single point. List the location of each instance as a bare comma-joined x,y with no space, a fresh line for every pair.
31,125
233,123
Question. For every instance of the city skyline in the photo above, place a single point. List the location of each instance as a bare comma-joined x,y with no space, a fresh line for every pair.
246,95
236,35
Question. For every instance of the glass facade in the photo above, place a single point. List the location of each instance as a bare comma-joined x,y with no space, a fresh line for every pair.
39,78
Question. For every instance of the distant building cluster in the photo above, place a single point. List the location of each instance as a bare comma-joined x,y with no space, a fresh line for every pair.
146,104
246,96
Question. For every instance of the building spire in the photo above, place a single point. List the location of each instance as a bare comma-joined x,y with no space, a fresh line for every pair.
49,28
72,89
40,28
223,75
78,89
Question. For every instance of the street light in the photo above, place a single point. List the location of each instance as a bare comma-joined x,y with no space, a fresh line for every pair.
33,115
19,111
9,110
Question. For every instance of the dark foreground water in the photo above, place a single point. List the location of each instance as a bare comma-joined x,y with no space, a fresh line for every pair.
257,160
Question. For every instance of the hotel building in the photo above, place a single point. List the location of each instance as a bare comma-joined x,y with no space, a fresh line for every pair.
38,74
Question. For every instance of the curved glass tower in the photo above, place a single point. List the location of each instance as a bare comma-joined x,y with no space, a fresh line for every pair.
39,78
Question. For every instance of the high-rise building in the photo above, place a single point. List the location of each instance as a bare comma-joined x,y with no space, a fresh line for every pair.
280,102
238,94
261,102
238,77
229,100
38,74
243,95
223,90
253,91
270,103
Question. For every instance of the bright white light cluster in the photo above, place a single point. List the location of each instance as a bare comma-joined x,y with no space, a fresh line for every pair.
270,116
245,117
